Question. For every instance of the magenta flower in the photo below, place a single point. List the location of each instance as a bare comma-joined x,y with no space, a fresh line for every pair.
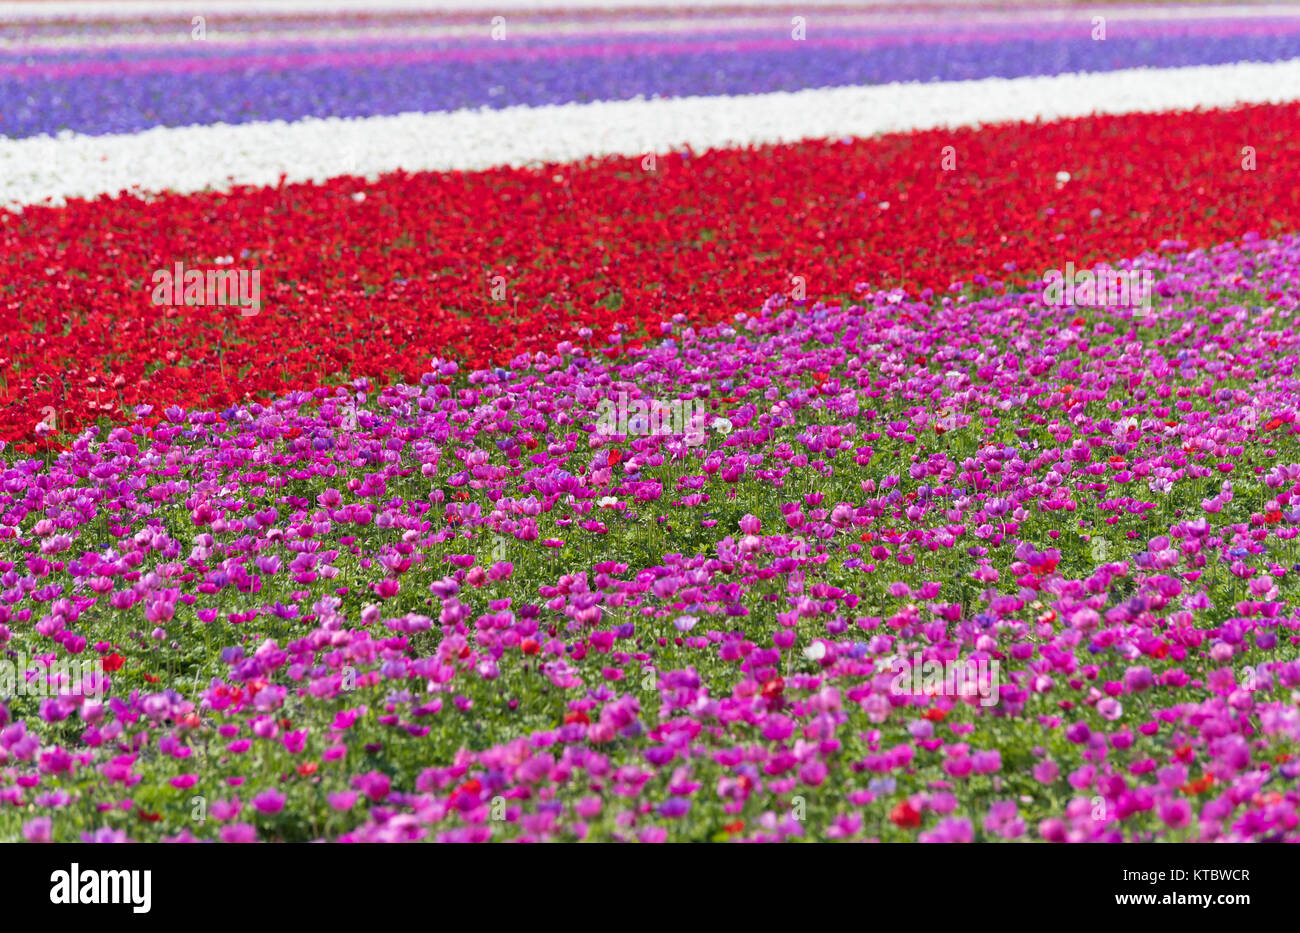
238,832
373,784
342,800
269,801
38,829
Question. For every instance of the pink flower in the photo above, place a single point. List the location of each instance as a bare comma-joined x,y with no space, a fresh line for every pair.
269,801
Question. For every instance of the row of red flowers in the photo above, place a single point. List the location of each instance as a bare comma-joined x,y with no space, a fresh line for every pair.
372,279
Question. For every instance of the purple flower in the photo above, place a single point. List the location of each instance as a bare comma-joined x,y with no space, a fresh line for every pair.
674,808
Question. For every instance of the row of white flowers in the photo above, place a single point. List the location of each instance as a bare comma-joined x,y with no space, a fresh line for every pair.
195,158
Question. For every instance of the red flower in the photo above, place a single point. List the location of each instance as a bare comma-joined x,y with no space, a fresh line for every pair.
1048,565
905,816
113,662
530,646
308,768
576,716
148,817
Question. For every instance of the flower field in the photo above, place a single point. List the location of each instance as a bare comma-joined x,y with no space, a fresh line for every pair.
720,482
